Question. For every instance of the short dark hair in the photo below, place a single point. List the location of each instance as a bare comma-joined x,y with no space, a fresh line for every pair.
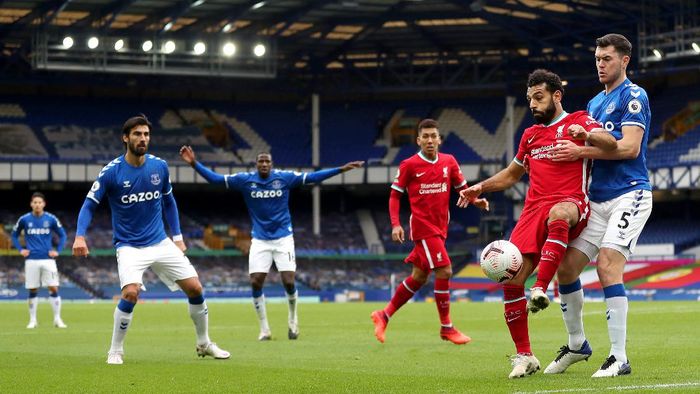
428,124
37,194
550,79
138,120
622,45
263,153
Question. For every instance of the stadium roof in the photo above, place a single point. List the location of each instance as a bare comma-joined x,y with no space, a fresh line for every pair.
407,42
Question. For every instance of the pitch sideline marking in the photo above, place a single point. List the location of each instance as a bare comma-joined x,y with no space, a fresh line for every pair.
616,388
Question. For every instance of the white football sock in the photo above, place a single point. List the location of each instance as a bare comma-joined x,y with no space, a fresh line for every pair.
259,304
292,303
122,321
56,306
572,312
200,316
33,303
617,326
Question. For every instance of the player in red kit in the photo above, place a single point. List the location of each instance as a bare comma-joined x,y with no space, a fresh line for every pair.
427,178
556,205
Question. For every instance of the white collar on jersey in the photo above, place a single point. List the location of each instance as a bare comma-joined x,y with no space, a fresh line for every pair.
420,154
555,121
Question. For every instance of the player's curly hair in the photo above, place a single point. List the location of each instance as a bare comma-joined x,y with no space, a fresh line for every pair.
551,79
622,45
138,120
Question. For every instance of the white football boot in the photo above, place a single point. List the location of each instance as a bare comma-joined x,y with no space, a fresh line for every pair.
568,357
211,349
115,358
523,365
611,367
538,300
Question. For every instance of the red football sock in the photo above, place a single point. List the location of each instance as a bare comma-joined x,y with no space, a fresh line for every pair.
442,300
404,292
552,252
516,316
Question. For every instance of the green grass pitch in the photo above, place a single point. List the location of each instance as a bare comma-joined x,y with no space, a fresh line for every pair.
336,351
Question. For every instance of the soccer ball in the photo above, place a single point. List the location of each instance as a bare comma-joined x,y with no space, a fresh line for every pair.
501,260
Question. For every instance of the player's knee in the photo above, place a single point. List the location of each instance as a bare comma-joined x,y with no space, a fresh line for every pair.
443,273
559,213
195,290
130,293
420,277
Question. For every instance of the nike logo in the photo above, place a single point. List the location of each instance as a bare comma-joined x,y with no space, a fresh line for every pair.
420,174
530,139
512,319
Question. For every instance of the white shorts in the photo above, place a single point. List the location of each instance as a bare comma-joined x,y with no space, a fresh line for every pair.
165,259
40,273
615,224
264,252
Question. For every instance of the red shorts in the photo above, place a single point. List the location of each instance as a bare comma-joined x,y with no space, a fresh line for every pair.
429,253
530,233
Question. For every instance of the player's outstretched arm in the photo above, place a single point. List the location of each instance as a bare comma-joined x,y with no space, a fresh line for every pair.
504,179
322,175
596,137
351,166
84,218
187,154
627,148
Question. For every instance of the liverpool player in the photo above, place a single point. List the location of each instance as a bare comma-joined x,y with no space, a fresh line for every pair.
556,205
427,178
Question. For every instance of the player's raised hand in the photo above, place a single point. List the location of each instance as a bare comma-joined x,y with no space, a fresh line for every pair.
181,245
25,252
566,150
467,195
80,248
397,234
577,132
352,165
53,253
187,155
481,203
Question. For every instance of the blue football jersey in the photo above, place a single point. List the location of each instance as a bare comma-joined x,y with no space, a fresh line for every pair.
38,237
626,105
135,198
267,200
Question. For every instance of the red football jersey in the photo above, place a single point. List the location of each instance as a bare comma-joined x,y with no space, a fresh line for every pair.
550,180
428,185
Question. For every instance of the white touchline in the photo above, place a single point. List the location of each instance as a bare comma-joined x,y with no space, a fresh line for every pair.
616,388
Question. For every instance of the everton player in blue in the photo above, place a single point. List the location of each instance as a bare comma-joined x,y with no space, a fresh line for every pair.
266,193
40,266
621,203
137,187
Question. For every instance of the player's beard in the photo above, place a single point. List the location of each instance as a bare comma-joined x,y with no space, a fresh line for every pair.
546,116
137,150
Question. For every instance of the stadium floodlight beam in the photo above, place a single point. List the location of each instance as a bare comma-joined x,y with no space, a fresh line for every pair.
119,45
147,45
199,48
93,42
259,50
197,3
257,5
657,53
67,42
169,47
229,49
696,47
